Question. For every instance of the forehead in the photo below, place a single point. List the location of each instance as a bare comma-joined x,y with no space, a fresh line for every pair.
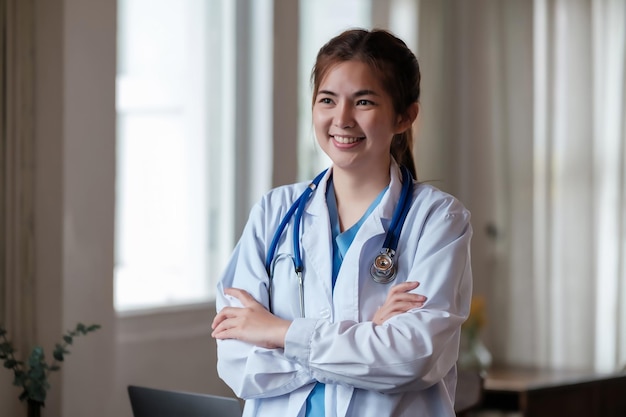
349,75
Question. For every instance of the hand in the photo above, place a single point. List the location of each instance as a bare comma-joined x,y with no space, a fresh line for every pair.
399,300
251,323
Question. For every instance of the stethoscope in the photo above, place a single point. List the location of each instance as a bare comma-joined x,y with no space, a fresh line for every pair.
383,269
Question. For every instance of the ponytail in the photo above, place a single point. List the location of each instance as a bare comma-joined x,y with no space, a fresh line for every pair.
402,150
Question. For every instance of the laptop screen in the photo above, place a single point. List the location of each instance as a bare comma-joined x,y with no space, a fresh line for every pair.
151,402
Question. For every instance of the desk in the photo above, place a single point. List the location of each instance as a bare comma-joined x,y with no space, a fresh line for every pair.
545,393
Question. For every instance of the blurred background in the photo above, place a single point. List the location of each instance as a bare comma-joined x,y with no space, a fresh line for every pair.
137,134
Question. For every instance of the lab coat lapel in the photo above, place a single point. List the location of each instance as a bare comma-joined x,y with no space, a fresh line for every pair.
366,245
317,249
317,246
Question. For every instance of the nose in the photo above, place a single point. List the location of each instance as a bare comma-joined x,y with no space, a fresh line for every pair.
344,117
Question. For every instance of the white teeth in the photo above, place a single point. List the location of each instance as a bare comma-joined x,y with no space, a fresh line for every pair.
346,140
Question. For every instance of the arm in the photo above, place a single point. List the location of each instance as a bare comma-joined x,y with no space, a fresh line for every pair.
254,324
399,300
249,338
253,371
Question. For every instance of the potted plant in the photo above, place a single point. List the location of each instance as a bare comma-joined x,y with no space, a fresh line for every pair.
32,375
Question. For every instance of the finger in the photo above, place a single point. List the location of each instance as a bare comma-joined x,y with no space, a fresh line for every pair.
398,307
219,317
407,297
226,313
227,326
242,295
238,293
216,321
222,333
404,287
401,307
404,298
383,317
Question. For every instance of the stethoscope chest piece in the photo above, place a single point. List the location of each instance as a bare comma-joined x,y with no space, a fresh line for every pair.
383,269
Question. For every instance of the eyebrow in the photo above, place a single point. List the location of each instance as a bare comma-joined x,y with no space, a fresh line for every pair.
359,93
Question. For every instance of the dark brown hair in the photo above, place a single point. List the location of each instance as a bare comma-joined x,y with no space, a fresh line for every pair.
394,63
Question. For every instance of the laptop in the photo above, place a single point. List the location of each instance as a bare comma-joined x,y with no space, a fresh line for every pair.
151,402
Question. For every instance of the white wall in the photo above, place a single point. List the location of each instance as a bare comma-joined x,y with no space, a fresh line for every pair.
75,135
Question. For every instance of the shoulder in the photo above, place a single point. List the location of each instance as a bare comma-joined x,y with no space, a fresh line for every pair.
431,203
275,202
282,195
437,218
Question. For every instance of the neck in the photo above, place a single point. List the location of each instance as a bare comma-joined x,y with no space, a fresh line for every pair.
354,193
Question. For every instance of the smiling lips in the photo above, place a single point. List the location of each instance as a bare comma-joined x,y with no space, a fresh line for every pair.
347,140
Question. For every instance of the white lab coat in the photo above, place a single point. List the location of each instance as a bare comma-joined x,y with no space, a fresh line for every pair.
405,367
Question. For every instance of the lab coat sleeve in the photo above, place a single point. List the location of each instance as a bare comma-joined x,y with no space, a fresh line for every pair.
251,371
413,350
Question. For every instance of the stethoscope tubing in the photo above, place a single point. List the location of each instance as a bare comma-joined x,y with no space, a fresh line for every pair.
300,202
400,213
297,210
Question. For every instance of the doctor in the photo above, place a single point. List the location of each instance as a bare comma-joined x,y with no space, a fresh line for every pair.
309,331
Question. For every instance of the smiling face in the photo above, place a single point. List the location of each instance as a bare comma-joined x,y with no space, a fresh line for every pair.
354,119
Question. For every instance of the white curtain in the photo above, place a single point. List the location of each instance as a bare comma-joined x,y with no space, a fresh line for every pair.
523,118
580,183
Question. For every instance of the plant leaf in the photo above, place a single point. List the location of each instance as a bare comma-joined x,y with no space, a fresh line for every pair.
36,373
68,339
36,357
58,354
61,348
10,363
6,347
93,327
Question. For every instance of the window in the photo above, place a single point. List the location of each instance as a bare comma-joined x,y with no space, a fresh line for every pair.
194,110
174,85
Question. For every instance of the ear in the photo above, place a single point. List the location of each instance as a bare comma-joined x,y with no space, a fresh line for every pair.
405,121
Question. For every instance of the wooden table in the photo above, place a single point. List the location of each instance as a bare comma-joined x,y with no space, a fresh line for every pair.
550,393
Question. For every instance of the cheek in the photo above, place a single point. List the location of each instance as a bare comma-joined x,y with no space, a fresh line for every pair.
381,128
320,123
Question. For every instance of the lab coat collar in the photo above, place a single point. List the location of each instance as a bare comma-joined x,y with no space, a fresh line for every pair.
316,235
317,206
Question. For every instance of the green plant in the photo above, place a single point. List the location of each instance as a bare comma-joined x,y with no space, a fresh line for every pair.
32,375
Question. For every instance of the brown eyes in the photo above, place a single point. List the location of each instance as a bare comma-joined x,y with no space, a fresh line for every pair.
360,102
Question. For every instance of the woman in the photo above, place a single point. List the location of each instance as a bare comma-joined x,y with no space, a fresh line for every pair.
345,343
